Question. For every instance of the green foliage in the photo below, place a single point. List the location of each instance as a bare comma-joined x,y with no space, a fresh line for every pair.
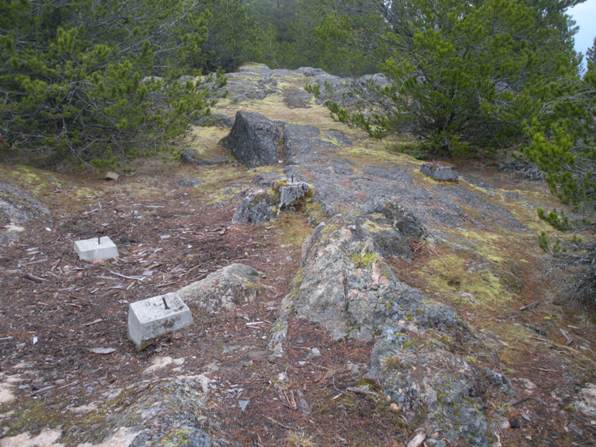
466,74
233,37
98,81
490,74
555,219
314,89
340,36
546,246
375,124
562,139
365,259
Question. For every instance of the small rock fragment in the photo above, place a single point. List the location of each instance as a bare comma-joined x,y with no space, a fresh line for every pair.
586,402
293,193
113,176
417,440
102,351
243,404
188,182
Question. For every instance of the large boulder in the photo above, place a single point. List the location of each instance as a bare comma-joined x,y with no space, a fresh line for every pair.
255,140
223,289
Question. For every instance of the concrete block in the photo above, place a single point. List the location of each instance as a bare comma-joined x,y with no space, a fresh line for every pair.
96,249
151,318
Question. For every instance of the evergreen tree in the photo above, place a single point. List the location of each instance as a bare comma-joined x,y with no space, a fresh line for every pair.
96,81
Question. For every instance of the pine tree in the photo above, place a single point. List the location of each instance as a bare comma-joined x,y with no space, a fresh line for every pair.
95,81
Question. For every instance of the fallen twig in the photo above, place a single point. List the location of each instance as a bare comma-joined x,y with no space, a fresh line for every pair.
99,320
530,305
359,390
134,278
278,423
34,278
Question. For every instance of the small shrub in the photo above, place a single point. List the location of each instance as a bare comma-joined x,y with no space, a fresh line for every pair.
363,260
555,219
313,89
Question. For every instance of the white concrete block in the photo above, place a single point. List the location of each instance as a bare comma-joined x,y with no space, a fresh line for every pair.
157,316
96,249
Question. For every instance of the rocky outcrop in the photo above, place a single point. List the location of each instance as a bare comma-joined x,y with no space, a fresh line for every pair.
394,231
296,98
224,289
172,412
347,286
351,93
18,207
255,140
433,384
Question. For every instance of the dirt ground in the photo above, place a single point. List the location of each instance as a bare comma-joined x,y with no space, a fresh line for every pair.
56,308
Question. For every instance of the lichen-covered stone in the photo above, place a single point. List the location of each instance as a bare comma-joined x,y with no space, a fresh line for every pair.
223,289
346,286
439,172
431,383
293,193
393,229
256,207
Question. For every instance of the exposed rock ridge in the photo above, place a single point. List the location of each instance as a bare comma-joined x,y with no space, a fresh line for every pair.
347,286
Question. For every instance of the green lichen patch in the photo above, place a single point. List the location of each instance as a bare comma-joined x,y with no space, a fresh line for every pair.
464,282
31,416
292,229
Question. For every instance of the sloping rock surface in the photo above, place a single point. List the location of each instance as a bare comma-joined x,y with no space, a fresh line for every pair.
17,207
224,289
379,211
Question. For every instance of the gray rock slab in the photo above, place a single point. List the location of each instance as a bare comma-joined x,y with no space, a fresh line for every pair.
292,193
224,289
154,317
439,172
96,249
256,207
